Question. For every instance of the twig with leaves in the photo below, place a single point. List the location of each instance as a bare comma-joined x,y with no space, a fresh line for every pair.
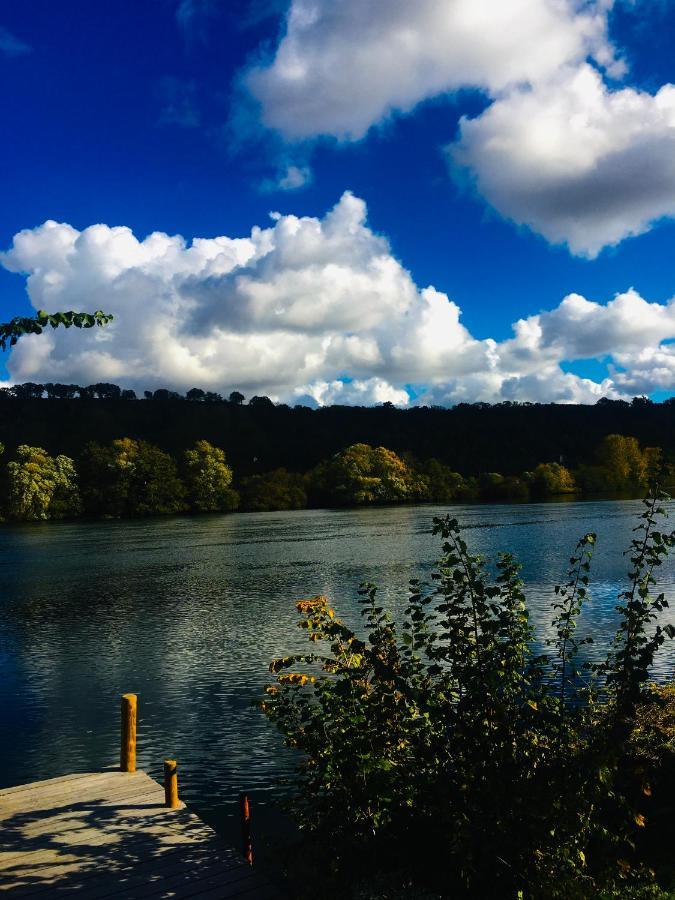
11,331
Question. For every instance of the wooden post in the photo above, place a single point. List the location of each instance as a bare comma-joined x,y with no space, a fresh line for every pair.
171,784
128,745
246,841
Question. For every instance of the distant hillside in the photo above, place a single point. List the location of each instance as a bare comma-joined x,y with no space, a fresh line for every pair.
508,438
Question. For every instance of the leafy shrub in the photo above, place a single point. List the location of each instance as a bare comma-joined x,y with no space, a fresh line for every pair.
450,757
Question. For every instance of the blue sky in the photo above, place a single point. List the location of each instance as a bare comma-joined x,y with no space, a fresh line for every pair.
146,115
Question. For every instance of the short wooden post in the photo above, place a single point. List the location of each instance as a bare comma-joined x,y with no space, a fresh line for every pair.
246,841
128,745
171,784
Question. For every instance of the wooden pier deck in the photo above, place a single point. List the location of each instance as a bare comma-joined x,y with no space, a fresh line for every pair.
110,834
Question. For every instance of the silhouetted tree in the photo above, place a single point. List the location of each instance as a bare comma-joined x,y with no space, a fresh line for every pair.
261,402
236,398
106,391
164,394
641,401
195,394
27,391
67,391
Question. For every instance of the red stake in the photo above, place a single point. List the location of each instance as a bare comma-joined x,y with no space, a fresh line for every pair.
246,842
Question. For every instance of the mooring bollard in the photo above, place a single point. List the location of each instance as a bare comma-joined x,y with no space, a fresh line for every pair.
171,784
128,745
246,841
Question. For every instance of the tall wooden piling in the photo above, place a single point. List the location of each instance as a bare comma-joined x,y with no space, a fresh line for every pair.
171,784
128,738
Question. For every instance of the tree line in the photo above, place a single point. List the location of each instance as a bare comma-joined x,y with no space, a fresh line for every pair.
104,390
131,478
259,436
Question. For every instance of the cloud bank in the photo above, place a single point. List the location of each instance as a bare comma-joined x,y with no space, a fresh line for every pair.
310,310
561,148
342,67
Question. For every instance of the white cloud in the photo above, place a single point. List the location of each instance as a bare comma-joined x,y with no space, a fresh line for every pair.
368,392
289,177
559,149
310,307
295,177
577,162
342,67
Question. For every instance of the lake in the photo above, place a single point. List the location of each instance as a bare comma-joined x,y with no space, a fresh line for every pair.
188,612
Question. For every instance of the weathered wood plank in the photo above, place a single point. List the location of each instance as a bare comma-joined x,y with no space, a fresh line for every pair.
172,869
88,787
183,883
17,789
93,886
108,834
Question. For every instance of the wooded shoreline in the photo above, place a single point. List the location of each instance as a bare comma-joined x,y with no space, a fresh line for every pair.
131,479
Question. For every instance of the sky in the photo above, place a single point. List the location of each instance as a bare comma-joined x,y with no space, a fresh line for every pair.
423,203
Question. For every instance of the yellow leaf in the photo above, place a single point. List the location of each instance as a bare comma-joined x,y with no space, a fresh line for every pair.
532,704
640,820
582,857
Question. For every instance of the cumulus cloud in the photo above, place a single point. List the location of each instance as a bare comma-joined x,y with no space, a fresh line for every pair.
577,162
560,148
352,393
342,67
310,309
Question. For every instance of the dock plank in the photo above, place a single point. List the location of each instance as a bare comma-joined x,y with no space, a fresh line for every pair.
108,835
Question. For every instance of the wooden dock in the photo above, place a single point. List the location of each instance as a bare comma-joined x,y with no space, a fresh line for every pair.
118,834
109,834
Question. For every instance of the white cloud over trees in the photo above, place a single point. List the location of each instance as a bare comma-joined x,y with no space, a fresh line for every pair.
310,308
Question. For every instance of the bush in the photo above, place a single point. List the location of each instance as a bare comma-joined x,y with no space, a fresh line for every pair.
447,755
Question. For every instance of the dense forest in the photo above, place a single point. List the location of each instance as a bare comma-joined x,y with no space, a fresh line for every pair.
119,457
130,478
258,436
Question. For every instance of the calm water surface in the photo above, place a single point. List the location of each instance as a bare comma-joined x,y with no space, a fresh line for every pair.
187,613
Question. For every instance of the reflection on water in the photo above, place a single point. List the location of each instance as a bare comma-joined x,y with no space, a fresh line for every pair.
188,612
